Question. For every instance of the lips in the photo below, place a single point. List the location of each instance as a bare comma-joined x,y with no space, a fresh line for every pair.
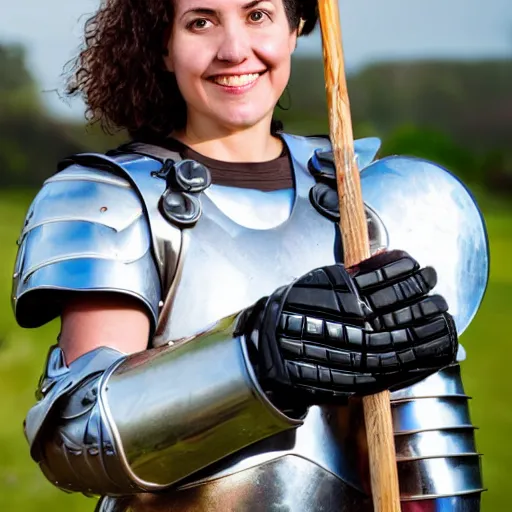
235,80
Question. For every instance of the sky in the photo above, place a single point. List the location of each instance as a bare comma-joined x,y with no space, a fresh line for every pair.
373,30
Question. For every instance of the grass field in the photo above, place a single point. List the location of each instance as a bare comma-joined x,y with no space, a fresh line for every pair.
22,352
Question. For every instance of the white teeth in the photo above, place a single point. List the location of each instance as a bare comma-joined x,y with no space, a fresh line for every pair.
235,80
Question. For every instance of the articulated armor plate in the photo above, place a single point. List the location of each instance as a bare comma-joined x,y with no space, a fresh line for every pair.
85,231
219,267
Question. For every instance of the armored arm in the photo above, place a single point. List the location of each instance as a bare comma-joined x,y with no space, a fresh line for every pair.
110,423
116,424
438,465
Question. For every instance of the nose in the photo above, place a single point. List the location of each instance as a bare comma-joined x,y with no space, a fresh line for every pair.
235,44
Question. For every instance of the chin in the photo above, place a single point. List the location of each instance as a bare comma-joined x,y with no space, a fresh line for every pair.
242,120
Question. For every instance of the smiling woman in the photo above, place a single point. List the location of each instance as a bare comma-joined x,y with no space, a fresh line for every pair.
125,71
211,343
232,66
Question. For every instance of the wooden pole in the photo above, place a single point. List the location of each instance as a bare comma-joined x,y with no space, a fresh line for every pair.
356,247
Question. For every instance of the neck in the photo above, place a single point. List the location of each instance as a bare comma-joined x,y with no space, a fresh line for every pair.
251,144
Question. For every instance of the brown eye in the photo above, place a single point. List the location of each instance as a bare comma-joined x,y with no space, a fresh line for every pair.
198,24
256,16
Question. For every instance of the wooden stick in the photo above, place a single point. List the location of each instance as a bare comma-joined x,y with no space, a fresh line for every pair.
356,247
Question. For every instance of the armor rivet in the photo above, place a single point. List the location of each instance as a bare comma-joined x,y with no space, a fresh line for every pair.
103,209
15,275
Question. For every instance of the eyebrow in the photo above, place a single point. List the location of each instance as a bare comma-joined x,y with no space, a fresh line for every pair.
206,11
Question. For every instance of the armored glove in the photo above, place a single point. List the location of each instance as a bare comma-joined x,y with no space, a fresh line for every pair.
338,331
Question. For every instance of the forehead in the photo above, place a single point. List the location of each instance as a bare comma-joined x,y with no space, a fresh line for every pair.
220,5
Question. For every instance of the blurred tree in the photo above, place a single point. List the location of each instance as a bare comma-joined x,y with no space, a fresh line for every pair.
432,145
469,100
456,113
31,141
18,92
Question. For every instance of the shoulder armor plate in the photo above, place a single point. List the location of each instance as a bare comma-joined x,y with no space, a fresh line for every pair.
86,230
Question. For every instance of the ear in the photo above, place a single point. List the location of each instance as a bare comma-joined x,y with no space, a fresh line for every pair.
166,40
297,33
300,28
167,61
293,41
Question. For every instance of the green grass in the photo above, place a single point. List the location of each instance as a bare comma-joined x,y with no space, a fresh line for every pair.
22,353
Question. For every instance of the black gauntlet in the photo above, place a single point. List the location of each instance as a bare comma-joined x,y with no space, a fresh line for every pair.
337,332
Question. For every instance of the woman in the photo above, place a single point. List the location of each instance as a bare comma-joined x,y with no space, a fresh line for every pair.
191,348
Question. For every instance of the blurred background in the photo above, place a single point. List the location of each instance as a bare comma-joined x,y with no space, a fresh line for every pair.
432,79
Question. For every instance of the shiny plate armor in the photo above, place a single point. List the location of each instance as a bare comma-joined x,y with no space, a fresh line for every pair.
427,212
104,244
318,466
85,436
430,416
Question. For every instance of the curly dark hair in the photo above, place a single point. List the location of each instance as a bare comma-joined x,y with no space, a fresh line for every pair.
120,73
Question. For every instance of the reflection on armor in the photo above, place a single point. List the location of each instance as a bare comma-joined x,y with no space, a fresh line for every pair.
218,268
289,483
85,231
105,424
208,410
153,503
431,215
439,469
434,439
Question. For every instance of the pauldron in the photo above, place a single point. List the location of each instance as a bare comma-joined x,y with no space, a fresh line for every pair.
86,231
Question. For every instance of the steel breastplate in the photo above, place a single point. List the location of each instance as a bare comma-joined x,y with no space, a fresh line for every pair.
227,267
311,469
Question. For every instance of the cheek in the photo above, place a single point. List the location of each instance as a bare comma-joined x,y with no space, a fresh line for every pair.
188,69
275,51
188,61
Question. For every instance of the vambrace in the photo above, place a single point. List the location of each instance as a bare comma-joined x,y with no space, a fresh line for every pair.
439,468
115,424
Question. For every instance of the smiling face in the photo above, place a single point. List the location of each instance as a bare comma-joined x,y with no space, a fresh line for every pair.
231,59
